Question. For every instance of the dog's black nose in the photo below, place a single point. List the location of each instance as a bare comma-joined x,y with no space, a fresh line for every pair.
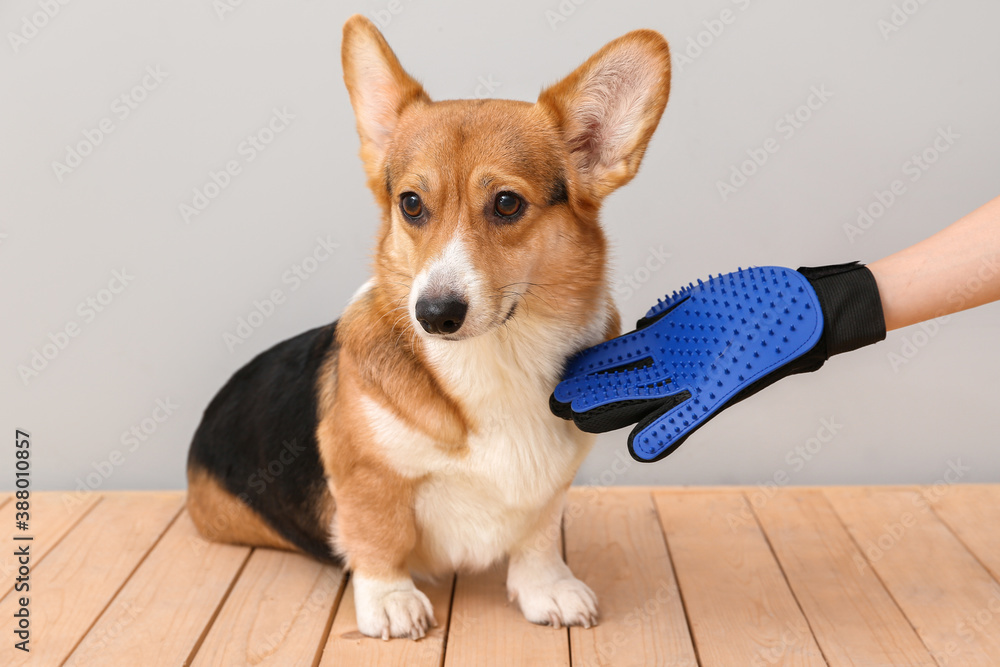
441,316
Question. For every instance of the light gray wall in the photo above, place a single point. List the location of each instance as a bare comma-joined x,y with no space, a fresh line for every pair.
162,337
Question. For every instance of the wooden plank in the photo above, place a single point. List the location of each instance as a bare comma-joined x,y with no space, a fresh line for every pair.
81,575
762,489
164,610
615,544
855,621
973,512
277,613
52,515
347,646
488,630
738,603
933,578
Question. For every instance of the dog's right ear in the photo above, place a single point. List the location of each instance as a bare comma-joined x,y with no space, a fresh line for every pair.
379,87
608,108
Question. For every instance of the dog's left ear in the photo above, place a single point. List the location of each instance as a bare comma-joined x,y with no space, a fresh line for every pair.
609,107
379,87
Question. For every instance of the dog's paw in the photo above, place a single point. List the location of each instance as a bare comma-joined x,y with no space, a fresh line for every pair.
566,601
391,609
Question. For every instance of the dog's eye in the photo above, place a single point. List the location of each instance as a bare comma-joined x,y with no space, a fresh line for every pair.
410,205
507,204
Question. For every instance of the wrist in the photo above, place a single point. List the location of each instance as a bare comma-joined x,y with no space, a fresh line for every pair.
852,307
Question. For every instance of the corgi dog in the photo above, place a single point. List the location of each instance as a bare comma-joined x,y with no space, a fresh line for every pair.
412,436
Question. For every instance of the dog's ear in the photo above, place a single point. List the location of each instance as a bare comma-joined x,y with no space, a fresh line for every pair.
609,107
379,87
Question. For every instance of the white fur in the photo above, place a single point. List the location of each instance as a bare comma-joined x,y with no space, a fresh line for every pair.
391,608
361,291
547,591
473,510
612,102
542,583
410,452
454,272
451,271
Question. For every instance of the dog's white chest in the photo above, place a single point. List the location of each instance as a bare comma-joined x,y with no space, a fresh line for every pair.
474,508
472,511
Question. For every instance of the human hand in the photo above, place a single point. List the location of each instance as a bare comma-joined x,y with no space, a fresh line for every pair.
714,344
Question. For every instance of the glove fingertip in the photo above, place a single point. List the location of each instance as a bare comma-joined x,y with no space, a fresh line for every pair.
560,409
613,416
650,440
659,454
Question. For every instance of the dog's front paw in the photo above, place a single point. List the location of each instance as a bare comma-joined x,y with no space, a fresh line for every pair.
391,608
566,601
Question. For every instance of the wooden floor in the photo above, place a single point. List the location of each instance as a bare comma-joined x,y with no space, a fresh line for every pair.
733,577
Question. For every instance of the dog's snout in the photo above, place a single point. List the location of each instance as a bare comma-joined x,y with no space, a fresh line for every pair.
442,315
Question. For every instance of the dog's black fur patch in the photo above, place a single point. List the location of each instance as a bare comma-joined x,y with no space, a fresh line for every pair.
558,193
244,435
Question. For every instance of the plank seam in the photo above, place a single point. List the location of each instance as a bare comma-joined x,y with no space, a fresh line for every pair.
114,596
321,648
677,581
218,610
784,575
972,553
562,539
888,591
55,544
72,526
447,625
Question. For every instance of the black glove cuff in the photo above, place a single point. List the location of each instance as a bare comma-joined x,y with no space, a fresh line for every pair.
852,308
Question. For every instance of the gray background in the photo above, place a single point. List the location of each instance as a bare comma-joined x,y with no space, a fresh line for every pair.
162,337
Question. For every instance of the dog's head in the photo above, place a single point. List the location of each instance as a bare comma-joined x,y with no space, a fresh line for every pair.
490,206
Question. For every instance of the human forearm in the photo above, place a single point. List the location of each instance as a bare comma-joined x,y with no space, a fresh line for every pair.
956,269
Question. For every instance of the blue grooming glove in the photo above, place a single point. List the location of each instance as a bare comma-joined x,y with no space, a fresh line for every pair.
713,344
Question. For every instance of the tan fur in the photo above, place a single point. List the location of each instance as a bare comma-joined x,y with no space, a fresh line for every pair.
375,129
222,517
376,530
641,53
